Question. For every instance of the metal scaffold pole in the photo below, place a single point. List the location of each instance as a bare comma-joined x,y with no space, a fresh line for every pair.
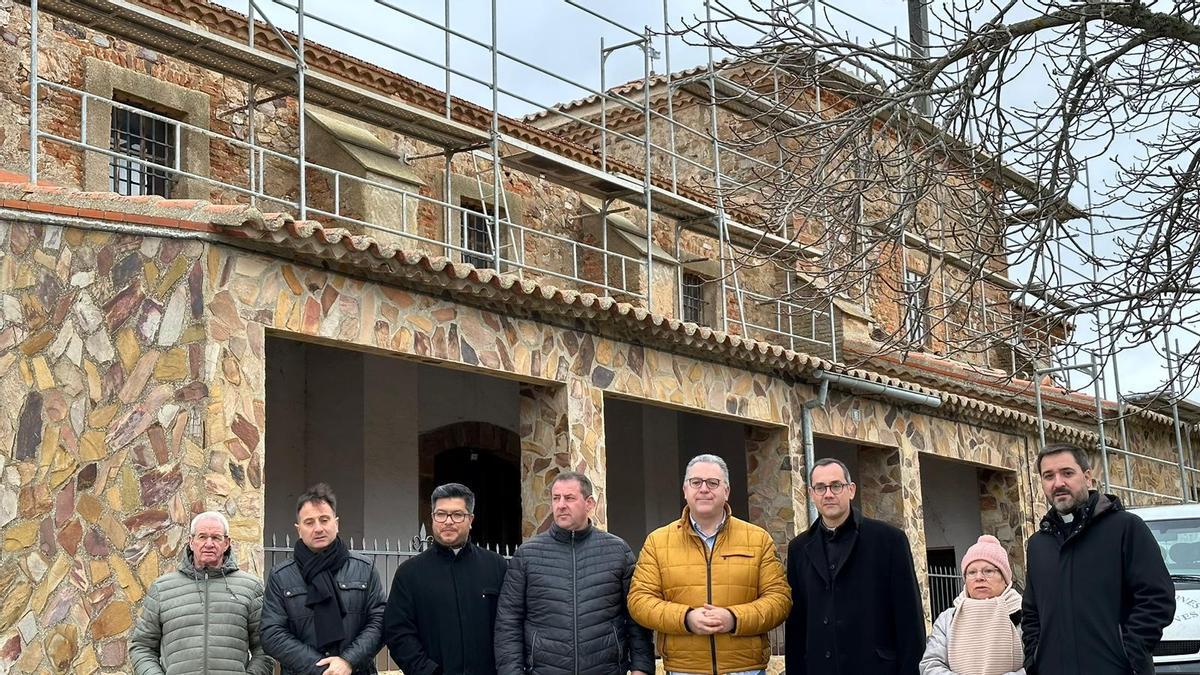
301,68
649,196
1172,376
33,92
724,246
495,144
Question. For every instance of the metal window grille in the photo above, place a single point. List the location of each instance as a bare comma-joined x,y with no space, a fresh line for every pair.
478,234
693,298
142,138
916,327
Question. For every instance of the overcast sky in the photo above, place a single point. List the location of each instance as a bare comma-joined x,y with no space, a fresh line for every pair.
566,40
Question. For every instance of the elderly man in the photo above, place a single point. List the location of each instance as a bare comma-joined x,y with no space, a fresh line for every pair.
204,616
711,585
442,608
323,611
562,607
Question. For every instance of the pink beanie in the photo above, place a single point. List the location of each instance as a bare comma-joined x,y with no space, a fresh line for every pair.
988,549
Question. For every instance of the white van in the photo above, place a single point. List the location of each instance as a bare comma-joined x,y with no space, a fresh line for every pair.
1177,531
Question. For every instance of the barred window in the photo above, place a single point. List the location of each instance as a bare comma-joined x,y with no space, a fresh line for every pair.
916,317
693,298
147,139
478,235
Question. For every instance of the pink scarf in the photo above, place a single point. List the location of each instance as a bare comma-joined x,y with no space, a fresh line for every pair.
982,638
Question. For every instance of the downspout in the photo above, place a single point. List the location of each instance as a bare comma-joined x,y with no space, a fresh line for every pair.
809,446
854,384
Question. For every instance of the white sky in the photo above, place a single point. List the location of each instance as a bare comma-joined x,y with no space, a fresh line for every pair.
566,40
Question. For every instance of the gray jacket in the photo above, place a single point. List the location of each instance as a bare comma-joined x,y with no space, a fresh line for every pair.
936,660
201,622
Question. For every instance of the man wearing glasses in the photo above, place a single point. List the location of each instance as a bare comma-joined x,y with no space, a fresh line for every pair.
203,617
856,607
710,584
442,609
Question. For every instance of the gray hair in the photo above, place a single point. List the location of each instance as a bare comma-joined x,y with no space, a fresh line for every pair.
210,515
707,459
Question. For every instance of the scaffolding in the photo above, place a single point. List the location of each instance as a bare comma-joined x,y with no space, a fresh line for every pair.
274,61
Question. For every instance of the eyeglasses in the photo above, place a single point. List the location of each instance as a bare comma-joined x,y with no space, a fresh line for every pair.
835,488
697,483
205,538
986,573
455,517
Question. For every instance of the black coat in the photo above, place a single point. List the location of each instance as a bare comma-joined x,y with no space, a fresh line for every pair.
287,625
1096,602
442,611
562,608
864,618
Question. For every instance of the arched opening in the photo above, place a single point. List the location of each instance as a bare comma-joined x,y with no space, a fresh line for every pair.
487,459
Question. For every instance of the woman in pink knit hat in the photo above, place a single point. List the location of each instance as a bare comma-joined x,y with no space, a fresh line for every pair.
980,634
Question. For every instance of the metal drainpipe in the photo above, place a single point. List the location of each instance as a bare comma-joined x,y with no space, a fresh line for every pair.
809,445
856,384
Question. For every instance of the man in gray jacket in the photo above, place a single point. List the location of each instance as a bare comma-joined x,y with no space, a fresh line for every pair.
562,607
203,617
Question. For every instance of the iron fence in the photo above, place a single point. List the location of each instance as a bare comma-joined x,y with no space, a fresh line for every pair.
391,555
944,585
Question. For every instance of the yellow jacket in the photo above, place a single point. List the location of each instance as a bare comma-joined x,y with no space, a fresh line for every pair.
676,572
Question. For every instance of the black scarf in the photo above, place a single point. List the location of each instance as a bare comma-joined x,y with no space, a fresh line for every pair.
318,570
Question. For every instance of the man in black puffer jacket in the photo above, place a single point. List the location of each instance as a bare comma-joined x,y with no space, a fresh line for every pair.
323,609
562,607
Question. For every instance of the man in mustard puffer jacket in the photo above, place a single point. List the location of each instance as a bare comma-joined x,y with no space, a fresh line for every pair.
710,585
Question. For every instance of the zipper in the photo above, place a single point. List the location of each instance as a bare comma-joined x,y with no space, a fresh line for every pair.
712,639
205,622
575,603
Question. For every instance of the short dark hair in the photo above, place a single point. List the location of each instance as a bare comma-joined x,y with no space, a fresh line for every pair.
453,491
827,461
585,483
321,492
1081,455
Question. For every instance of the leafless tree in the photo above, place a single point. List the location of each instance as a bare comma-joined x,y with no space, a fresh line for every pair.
1053,143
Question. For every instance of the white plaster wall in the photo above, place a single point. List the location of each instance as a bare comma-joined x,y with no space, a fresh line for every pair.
950,491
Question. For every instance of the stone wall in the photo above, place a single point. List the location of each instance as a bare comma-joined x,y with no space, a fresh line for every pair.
103,375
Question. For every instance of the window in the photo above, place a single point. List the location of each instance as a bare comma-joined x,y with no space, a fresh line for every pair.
478,234
916,319
693,298
144,138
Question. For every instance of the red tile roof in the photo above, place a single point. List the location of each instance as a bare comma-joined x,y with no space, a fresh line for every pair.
281,235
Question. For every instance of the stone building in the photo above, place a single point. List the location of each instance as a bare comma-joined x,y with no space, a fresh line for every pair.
174,340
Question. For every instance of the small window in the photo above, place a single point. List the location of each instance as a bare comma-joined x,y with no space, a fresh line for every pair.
147,139
693,298
478,236
916,316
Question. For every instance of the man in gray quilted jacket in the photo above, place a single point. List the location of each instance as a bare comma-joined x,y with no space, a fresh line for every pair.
203,617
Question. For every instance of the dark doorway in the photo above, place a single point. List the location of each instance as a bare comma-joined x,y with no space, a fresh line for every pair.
496,482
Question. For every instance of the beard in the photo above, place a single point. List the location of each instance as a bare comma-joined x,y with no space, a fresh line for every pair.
1077,500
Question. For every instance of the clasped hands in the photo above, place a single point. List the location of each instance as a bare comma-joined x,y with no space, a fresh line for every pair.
709,619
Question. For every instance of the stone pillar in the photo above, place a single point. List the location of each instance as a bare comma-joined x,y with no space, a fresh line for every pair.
775,484
562,429
889,489
1000,514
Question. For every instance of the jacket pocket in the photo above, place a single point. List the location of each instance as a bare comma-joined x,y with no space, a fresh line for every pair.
885,654
531,655
618,646
353,595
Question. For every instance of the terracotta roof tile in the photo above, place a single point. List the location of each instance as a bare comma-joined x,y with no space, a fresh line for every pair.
282,235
